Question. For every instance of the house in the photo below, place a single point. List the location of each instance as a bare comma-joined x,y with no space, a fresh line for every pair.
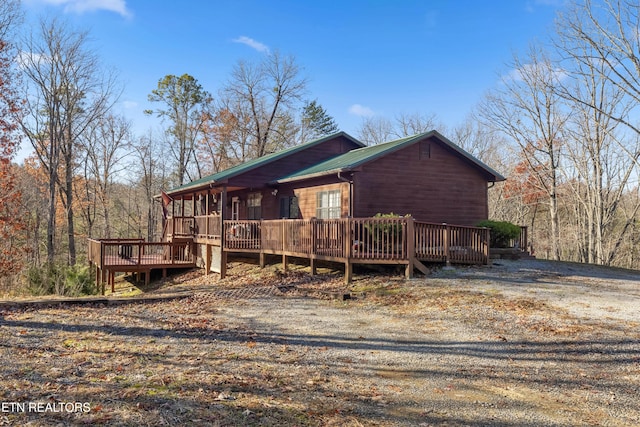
425,176
317,200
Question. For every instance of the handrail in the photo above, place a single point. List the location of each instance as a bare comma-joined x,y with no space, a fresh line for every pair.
375,239
130,253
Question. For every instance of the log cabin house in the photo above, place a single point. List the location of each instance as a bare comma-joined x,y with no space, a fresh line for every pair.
318,201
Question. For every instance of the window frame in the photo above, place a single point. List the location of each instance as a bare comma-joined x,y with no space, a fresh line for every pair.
333,208
254,206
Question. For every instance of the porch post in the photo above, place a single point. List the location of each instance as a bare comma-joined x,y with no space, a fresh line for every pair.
446,244
284,246
206,213
346,235
207,257
410,240
223,253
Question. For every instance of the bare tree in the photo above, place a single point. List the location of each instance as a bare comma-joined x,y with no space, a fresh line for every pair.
66,92
150,178
262,96
106,145
527,109
479,140
378,129
603,157
603,35
375,130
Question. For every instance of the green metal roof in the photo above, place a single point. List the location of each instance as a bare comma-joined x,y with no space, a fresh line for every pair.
255,163
357,157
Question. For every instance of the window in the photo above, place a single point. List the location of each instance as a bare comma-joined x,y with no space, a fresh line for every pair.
425,150
254,209
289,207
328,204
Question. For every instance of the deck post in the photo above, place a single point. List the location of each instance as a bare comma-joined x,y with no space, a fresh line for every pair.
486,249
447,259
348,241
263,257
207,255
312,249
348,271
223,263
410,239
284,245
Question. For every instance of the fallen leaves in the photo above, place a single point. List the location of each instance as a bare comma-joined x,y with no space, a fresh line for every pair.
192,361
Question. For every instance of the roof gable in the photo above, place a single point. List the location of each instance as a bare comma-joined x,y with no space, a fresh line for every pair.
360,156
234,171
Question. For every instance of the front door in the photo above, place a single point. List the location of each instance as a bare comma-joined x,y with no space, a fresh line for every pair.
235,209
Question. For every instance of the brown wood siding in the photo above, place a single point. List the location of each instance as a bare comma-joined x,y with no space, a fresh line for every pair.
307,198
441,188
257,178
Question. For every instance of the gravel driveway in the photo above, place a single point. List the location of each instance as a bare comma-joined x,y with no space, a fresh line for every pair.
522,343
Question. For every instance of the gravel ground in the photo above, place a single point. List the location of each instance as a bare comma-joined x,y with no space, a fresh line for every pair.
522,343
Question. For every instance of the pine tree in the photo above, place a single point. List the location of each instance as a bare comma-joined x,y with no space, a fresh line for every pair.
316,122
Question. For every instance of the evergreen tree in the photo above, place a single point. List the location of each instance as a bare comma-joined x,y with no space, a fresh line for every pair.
316,122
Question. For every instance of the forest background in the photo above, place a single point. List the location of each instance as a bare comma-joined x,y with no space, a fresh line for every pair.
563,127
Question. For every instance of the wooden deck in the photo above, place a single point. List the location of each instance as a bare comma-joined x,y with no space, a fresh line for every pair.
400,240
111,256
361,241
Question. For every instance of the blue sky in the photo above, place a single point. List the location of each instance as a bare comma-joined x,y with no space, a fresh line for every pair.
361,57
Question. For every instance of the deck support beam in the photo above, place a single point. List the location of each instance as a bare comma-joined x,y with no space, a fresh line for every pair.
223,263
348,272
411,247
207,257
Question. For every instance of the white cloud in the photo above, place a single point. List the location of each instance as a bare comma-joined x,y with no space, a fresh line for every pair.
129,104
25,59
82,6
254,44
360,110
540,70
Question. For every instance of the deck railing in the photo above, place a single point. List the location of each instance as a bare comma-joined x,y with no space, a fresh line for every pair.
361,239
132,254
207,226
180,226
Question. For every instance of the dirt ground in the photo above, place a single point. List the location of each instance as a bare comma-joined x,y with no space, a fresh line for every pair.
521,343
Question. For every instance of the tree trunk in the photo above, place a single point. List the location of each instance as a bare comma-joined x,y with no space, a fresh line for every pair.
69,196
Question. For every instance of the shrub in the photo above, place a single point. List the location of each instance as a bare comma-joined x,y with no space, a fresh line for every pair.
502,232
388,229
55,279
